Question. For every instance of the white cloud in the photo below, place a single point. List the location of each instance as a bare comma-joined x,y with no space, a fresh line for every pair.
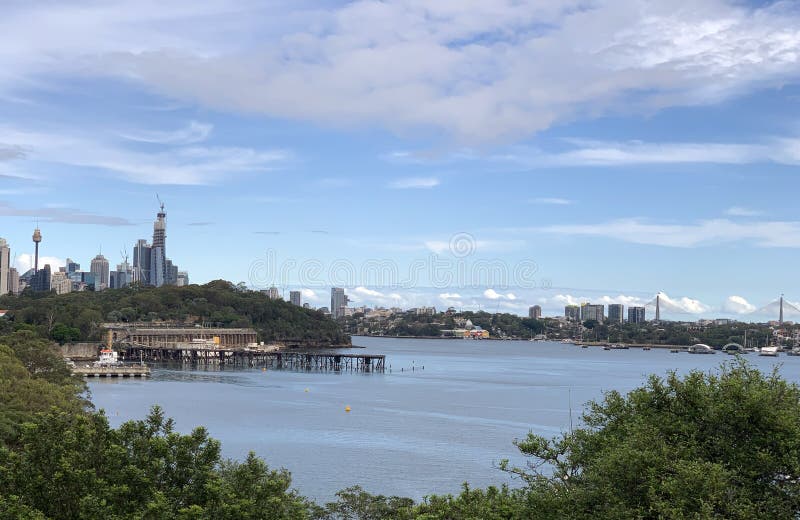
363,291
194,132
450,296
414,182
480,71
62,214
706,232
738,211
738,305
189,165
682,305
551,201
309,294
25,262
494,295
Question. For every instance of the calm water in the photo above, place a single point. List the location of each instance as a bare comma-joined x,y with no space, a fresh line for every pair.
409,432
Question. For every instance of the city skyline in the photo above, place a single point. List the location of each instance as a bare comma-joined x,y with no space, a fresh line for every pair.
621,169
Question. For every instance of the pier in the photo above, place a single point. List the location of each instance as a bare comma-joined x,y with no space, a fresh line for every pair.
282,360
112,371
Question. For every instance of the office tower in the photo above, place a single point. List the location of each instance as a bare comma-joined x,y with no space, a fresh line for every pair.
37,237
591,312
615,313
339,302
158,253
60,282
183,279
99,269
635,314
572,312
141,262
172,273
13,281
40,281
535,312
72,266
5,266
294,298
124,274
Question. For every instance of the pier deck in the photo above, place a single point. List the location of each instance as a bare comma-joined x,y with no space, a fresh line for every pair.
289,360
111,371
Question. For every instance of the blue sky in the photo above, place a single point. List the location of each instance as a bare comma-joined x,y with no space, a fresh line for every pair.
622,149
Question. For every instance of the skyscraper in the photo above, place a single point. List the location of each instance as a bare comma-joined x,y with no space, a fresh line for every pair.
141,262
535,312
122,277
635,314
40,281
72,266
338,302
572,312
294,298
5,266
616,313
100,270
591,312
13,281
183,279
158,253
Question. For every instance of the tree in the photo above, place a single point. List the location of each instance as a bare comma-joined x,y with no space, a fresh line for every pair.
698,446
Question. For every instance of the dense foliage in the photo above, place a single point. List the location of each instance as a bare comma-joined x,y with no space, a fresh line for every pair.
720,445
78,315
699,446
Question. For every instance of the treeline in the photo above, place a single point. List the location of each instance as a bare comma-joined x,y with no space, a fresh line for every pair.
411,324
78,316
696,446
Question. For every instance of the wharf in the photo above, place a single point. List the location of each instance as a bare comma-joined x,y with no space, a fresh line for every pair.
284,359
113,371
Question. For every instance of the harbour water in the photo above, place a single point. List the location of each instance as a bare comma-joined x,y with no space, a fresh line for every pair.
446,412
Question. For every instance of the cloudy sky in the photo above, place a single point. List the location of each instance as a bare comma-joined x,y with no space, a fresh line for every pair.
491,154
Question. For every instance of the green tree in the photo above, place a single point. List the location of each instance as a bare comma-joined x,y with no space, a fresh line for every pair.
698,446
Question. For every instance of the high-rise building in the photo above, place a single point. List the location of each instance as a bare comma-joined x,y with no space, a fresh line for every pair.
183,279
40,281
141,262
272,293
616,313
5,266
72,266
172,273
60,282
158,253
339,302
591,312
535,312
100,270
572,312
636,315
13,281
294,298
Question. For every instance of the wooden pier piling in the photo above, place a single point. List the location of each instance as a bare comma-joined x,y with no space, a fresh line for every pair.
284,360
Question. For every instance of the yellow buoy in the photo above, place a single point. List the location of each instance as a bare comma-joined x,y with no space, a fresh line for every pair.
346,408
306,390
